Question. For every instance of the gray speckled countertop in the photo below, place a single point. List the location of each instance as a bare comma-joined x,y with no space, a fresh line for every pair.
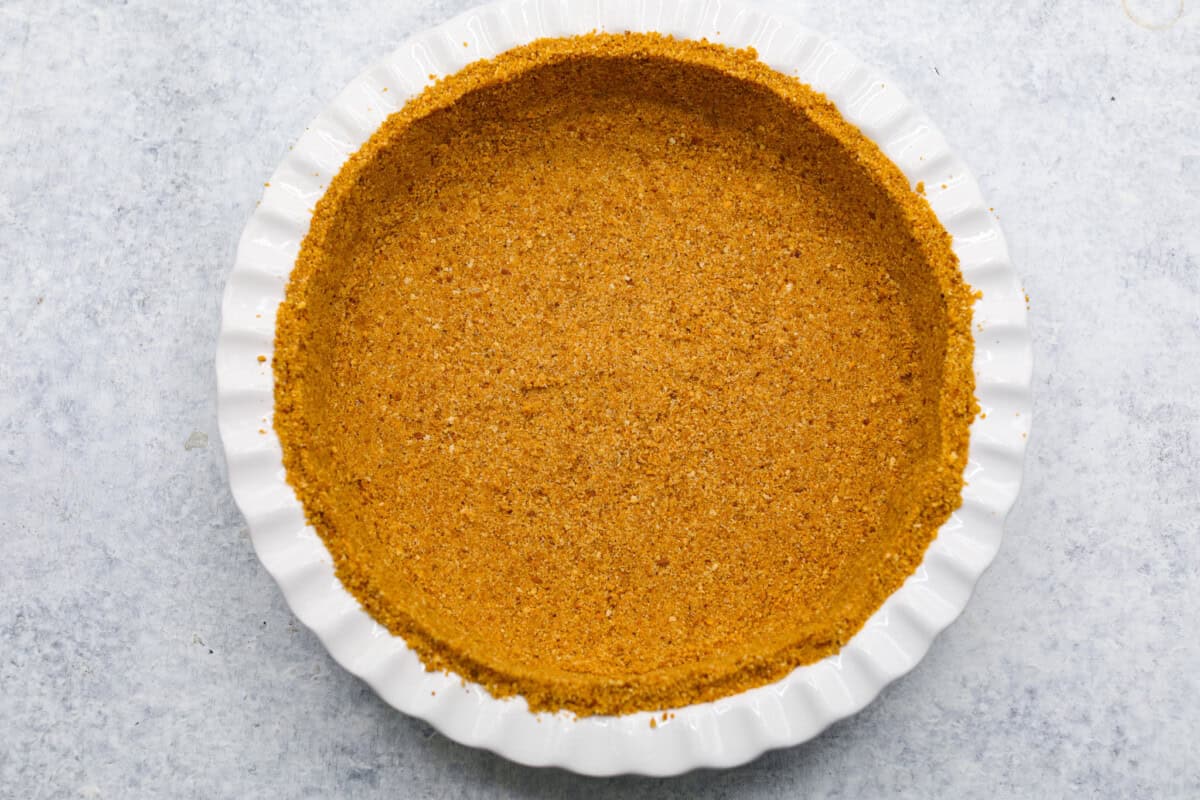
145,653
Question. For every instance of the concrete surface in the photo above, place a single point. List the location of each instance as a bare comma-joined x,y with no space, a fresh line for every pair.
144,652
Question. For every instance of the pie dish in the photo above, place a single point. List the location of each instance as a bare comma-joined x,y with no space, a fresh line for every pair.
732,728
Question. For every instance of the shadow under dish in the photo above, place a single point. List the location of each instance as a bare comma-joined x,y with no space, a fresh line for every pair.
621,373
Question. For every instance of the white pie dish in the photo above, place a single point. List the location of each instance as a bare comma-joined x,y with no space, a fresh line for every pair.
718,734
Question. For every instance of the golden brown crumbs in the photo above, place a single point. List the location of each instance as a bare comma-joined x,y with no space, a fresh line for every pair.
622,373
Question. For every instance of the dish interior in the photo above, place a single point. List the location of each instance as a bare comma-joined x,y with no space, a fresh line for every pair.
621,373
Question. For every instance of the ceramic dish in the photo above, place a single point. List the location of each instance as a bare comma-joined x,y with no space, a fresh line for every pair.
732,730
